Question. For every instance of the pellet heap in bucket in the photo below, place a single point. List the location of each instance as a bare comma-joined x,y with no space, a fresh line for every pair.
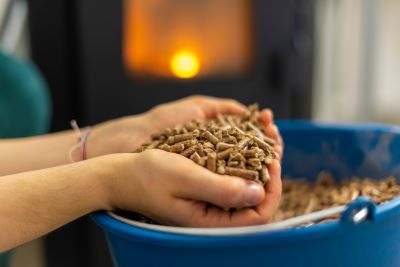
228,144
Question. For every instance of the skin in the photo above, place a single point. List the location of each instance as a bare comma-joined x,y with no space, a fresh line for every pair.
41,191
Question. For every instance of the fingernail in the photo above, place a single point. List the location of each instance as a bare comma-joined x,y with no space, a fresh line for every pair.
253,195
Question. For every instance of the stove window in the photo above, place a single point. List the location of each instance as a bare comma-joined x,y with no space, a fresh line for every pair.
181,39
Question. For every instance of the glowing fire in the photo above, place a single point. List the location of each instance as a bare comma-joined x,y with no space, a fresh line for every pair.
184,64
186,39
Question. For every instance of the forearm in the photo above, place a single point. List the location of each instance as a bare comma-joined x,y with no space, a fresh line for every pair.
26,154
35,203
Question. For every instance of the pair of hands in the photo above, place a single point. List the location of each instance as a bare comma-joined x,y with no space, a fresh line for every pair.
171,189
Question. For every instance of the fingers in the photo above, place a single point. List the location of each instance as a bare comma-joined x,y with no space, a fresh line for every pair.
263,213
273,192
186,190
224,107
212,106
266,117
271,130
220,190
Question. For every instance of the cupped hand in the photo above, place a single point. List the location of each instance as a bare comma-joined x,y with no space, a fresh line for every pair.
128,133
173,190
189,108
202,107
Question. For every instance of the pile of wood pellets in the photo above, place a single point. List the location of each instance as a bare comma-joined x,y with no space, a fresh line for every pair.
300,196
232,145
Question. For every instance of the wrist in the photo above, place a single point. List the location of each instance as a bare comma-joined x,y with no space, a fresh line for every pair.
122,135
100,172
78,151
117,180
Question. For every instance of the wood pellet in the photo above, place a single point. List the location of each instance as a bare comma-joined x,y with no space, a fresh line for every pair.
300,196
231,145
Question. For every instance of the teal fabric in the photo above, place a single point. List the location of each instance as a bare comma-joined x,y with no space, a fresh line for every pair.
24,105
24,99
4,259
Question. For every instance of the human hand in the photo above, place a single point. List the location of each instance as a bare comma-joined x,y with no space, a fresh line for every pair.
126,134
189,108
272,131
173,190
204,108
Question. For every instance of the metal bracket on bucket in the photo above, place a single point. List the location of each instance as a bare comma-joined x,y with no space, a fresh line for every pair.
358,211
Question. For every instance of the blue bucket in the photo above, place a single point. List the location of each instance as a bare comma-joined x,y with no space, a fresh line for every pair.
343,150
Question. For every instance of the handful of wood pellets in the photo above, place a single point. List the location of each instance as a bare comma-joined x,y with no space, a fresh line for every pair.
232,145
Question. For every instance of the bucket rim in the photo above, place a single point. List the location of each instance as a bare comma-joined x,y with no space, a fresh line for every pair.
128,229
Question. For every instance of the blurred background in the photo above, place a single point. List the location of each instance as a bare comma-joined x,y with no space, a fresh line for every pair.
331,60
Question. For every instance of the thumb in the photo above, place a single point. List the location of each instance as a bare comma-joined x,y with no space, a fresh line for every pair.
222,190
